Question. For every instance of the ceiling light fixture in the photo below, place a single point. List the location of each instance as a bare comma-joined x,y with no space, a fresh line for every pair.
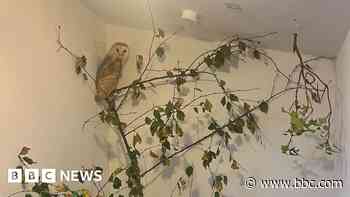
190,15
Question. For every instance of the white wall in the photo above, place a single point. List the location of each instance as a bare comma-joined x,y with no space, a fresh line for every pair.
261,161
343,81
43,102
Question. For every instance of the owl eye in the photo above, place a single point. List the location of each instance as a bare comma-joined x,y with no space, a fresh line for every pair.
124,51
118,50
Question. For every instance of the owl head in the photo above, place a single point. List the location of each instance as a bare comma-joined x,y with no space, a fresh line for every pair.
120,52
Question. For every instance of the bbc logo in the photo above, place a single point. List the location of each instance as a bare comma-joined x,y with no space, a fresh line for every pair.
31,175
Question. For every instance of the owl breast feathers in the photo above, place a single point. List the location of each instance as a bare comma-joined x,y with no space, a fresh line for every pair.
109,72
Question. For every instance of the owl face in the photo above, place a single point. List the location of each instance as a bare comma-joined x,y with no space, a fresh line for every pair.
120,51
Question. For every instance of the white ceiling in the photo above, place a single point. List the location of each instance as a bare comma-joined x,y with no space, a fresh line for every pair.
323,24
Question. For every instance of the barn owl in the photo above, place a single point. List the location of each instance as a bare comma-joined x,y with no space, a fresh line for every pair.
109,72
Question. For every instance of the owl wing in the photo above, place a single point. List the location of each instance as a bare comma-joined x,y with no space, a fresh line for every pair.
103,68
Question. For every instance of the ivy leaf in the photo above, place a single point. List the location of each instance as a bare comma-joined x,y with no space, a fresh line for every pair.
28,160
189,171
154,155
24,150
180,115
117,183
137,139
28,195
148,120
264,107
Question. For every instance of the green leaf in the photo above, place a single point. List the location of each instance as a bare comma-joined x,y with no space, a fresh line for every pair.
284,148
240,122
234,165
28,160
256,54
219,59
180,115
28,195
117,183
208,61
156,114
264,107
137,139
242,46
160,52
235,128
148,120
223,101
189,171
216,194
246,107
24,150
169,74
179,131
233,98
229,106
161,33
296,122
165,160
212,126
222,83
226,50
166,144
207,105
251,124
154,127
225,180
